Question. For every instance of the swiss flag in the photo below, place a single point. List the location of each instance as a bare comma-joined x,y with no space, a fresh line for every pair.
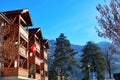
33,48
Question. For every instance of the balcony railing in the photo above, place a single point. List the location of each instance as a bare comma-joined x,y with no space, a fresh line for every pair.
45,55
44,67
23,72
46,77
37,60
22,51
23,33
37,76
15,72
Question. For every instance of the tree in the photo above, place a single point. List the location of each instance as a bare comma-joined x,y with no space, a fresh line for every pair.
64,59
32,71
109,64
109,20
52,74
8,36
109,61
92,61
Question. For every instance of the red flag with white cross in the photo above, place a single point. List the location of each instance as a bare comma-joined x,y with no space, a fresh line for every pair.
33,48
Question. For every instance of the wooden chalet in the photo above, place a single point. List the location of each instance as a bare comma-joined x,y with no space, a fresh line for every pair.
44,63
16,40
39,58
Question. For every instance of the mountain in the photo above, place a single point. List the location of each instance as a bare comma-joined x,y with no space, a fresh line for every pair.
78,49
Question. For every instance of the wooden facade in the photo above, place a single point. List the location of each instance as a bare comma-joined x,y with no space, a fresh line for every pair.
37,59
16,40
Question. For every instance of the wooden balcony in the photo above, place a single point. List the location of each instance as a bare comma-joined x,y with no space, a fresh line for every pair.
44,67
37,76
22,72
15,72
22,51
46,77
23,33
37,60
44,55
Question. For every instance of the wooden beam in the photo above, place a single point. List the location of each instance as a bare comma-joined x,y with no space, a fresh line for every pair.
23,20
11,61
5,18
23,62
14,20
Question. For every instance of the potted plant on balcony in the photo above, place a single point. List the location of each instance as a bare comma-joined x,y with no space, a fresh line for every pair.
32,71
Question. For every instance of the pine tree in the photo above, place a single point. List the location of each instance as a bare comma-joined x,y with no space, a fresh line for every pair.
92,61
64,60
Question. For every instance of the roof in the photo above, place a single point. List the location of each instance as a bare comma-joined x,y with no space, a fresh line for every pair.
46,44
23,12
36,31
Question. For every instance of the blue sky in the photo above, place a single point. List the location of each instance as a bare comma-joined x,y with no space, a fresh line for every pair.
74,18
